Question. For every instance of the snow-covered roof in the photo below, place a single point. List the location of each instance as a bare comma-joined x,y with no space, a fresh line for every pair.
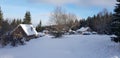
28,29
83,29
70,30
113,36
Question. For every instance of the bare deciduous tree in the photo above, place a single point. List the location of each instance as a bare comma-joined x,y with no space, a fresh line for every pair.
62,19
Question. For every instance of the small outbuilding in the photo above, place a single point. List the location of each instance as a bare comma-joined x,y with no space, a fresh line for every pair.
84,29
24,30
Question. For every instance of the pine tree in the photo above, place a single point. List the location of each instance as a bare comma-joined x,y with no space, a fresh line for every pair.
39,27
13,24
1,18
5,26
27,19
115,25
18,21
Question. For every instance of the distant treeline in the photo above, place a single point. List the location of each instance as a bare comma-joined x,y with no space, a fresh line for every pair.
99,23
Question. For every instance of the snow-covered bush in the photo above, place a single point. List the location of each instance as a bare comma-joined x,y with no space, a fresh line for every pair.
4,40
116,39
8,39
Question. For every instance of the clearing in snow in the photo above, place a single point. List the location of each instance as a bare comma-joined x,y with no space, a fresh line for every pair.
69,46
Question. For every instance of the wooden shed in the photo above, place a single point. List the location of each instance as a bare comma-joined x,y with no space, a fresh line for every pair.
26,31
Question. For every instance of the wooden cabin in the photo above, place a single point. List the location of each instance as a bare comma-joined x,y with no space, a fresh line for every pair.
26,31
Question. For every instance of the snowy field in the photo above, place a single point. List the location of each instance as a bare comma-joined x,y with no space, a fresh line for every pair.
69,46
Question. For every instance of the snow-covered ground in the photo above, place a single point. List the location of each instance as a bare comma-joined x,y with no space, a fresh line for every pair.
69,46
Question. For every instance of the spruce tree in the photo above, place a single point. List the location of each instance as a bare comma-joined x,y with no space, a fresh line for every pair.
39,27
27,19
1,18
13,24
115,25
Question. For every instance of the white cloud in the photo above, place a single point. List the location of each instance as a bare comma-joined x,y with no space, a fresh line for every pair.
103,3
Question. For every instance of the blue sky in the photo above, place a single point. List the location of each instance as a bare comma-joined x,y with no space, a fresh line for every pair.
41,9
